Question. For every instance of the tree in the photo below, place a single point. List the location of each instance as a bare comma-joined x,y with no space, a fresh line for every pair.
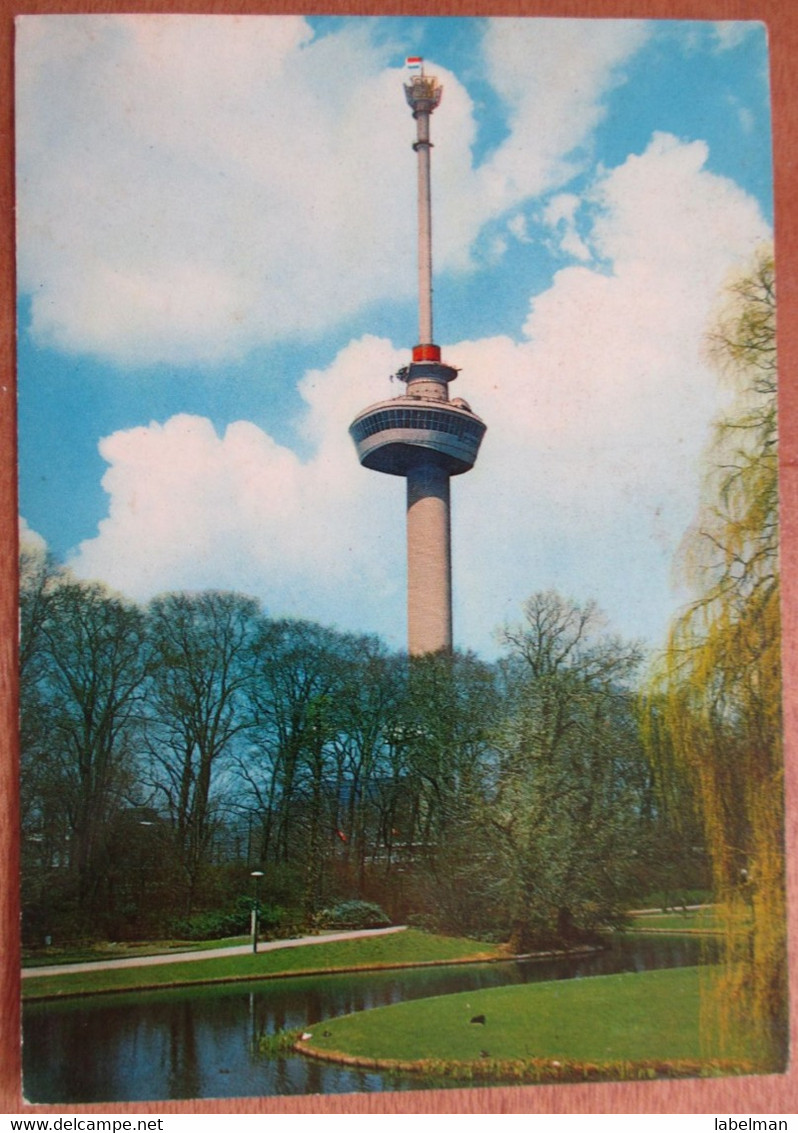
570,778
44,829
84,662
443,734
39,577
199,703
368,703
290,769
715,702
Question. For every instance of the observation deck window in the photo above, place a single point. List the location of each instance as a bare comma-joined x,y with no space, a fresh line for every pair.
414,418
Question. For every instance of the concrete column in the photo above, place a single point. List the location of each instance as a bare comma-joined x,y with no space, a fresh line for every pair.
429,566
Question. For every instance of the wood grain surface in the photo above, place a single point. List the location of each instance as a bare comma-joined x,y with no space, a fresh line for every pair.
768,1094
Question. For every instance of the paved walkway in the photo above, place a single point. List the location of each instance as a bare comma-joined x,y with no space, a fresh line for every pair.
207,954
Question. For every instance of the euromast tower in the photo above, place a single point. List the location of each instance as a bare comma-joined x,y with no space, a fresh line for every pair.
422,435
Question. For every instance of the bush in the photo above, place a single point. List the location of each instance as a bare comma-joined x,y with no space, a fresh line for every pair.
424,921
209,926
352,914
215,924
274,920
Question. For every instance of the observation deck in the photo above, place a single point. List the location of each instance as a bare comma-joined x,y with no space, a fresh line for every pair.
395,436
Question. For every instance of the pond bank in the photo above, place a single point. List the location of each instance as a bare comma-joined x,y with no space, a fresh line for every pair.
193,955
340,953
205,1041
354,969
372,950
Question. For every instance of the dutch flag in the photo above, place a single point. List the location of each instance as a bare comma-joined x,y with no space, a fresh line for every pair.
413,62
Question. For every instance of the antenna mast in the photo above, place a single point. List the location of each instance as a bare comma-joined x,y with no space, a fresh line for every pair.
423,94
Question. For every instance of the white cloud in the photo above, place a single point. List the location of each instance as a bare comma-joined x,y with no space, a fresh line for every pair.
517,226
190,509
729,34
587,478
30,540
553,75
560,215
598,418
199,184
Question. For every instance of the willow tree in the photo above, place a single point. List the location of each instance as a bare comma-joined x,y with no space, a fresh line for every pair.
715,705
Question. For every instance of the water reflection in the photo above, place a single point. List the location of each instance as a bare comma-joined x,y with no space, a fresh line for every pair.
203,1042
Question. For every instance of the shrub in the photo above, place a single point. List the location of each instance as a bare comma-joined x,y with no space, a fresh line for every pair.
352,914
235,921
424,921
209,926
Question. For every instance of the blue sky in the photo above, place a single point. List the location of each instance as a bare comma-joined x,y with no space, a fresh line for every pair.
216,264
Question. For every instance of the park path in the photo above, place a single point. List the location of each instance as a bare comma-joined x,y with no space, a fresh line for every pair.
207,954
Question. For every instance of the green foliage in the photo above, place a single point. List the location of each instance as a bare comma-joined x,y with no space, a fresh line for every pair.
566,827
336,768
281,1042
235,921
352,915
213,925
714,707
486,800
442,746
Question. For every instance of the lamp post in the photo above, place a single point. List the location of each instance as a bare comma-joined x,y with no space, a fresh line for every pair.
257,874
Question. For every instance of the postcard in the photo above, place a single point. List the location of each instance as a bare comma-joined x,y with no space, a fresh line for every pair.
400,682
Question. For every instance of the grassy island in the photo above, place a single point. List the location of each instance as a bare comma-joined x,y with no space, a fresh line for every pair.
630,1025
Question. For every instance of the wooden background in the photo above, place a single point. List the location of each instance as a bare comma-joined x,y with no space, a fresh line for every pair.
771,1094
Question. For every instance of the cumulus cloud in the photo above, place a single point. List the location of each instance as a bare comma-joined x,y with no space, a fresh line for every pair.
560,214
199,185
596,418
30,541
553,76
177,198
191,509
598,415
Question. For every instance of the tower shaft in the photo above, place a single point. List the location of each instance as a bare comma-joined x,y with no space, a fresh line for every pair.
429,559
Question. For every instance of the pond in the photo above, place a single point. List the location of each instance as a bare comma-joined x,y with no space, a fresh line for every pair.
202,1042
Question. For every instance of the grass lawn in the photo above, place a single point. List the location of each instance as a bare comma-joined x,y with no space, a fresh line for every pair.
394,950
649,1018
43,958
693,920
